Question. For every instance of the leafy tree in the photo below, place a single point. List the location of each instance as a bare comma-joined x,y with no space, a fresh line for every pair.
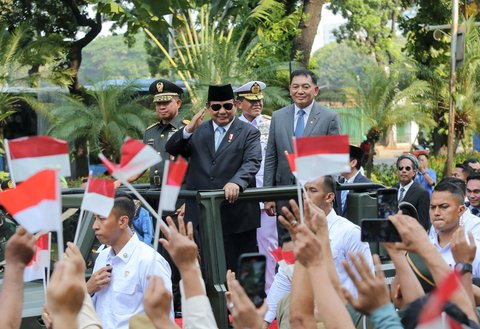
389,99
111,114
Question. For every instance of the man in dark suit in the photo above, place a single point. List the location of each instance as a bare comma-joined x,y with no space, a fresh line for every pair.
303,118
224,153
354,176
411,191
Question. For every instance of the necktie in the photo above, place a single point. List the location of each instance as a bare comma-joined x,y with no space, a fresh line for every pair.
476,212
300,124
402,194
219,133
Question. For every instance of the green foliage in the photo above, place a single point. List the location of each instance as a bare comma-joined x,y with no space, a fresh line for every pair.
112,114
389,99
108,57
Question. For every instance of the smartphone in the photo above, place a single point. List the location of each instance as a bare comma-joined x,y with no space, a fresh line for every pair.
251,276
387,202
110,270
379,230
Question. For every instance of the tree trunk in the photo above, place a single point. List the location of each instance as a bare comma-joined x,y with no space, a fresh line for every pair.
369,164
388,139
302,44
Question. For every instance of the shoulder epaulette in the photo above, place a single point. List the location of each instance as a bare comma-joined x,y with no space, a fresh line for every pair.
155,124
185,122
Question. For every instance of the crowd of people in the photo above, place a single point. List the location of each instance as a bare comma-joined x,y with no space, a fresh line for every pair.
334,279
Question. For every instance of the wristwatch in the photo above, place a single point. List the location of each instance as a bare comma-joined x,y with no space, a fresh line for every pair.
463,268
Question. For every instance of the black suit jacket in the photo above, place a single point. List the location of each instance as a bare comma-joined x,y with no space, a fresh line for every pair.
338,195
420,199
237,160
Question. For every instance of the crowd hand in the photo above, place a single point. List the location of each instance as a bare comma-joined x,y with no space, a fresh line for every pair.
47,320
231,192
181,210
157,303
99,280
117,183
65,292
463,251
270,208
372,291
20,248
196,121
72,255
308,248
289,219
179,244
315,219
414,237
392,251
244,313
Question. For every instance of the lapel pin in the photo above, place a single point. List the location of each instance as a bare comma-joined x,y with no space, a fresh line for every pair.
230,137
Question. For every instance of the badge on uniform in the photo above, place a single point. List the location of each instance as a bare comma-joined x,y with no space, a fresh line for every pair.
230,137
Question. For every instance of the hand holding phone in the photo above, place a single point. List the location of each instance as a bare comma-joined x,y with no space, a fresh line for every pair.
251,276
379,230
387,202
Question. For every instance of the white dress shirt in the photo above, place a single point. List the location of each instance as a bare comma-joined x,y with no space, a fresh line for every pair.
307,110
446,251
344,238
406,187
123,297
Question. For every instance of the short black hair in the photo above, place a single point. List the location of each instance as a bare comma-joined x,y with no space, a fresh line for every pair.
454,189
456,181
328,184
123,205
305,73
470,160
465,168
472,176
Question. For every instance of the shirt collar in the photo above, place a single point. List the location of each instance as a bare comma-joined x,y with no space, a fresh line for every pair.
351,179
406,187
307,109
331,217
254,122
127,251
215,126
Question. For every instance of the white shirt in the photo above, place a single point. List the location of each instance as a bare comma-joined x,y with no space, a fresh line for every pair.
123,297
446,251
406,187
345,238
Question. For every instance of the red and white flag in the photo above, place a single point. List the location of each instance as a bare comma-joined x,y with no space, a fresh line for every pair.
36,204
35,270
171,186
99,196
136,157
431,315
291,162
321,155
29,155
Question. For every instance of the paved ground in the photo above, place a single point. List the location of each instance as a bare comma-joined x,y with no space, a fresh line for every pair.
389,156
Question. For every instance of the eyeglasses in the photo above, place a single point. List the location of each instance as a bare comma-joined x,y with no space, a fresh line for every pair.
407,168
226,106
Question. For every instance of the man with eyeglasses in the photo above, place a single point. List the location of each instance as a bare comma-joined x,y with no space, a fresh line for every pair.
250,102
411,191
224,153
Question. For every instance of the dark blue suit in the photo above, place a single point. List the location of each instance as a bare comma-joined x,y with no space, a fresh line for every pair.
338,195
237,160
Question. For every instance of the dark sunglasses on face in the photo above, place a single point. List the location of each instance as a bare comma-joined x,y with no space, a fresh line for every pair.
226,106
407,168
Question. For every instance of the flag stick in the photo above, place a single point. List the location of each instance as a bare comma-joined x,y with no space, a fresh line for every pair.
44,281
50,256
144,202
60,246
9,161
160,206
80,217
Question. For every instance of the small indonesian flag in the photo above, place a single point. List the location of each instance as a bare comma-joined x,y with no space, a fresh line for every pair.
29,155
171,186
136,157
35,270
291,162
321,155
431,315
99,196
36,203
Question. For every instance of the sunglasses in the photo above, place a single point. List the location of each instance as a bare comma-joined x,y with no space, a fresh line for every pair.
226,106
407,168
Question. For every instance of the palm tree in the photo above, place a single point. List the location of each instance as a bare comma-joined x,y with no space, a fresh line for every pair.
103,120
388,99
